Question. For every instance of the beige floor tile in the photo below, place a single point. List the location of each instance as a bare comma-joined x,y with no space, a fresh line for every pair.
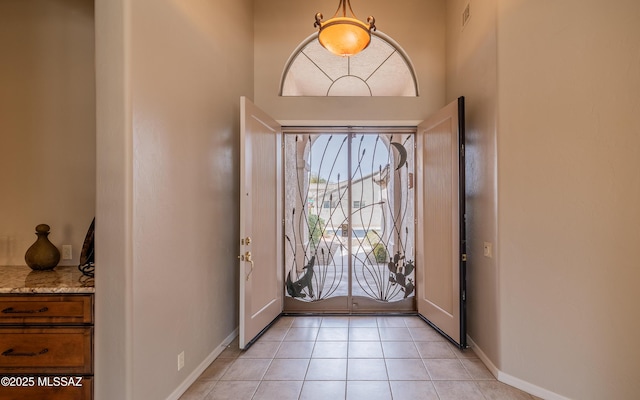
325,369
198,390
246,369
231,351
415,322
217,368
466,353
335,322
395,334
301,334
278,390
400,350
372,390
427,334
283,322
333,334
447,370
406,370
422,390
233,390
360,357
494,390
365,350
458,390
295,350
307,322
261,349
435,350
363,322
476,368
276,334
330,350
323,390
363,334
287,369
391,322
366,369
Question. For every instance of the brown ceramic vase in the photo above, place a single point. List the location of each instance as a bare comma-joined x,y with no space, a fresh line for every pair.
42,255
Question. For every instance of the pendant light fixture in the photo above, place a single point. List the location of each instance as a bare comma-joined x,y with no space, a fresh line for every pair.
344,35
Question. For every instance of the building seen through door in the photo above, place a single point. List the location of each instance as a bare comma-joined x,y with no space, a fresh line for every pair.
349,220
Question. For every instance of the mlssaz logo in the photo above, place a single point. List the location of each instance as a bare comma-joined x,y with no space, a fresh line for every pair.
60,381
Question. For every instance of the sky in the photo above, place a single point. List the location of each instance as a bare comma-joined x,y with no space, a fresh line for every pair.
329,157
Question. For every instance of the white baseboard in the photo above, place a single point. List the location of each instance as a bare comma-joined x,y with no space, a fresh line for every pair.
203,365
512,380
487,362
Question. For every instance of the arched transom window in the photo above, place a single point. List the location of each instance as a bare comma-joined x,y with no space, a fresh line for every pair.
382,69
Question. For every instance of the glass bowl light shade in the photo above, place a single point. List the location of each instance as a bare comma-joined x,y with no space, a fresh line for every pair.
344,36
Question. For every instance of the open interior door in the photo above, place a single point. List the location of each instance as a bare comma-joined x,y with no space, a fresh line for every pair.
261,272
441,248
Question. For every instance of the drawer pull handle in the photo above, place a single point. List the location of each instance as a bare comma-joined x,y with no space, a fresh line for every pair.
11,353
10,310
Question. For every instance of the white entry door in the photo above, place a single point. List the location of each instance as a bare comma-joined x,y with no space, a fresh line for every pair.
260,259
440,244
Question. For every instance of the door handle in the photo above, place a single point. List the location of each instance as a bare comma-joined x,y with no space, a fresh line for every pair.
11,310
247,258
246,241
12,353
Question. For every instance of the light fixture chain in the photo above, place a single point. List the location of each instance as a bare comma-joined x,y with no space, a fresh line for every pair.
372,23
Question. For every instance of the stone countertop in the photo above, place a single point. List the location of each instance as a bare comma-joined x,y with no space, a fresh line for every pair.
62,279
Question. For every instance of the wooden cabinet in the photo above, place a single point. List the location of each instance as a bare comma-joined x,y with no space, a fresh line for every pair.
46,346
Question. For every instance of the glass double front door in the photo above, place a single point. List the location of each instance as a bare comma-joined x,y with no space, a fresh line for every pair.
349,228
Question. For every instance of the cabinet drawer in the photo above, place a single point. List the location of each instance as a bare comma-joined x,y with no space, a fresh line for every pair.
46,350
46,309
45,388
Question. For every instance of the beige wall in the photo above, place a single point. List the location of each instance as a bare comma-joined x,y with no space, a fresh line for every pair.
167,176
472,72
417,25
47,124
568,190
552,91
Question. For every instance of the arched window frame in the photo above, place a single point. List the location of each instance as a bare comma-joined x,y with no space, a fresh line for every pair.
380,35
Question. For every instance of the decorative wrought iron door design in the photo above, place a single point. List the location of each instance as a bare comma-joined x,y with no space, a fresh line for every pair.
349,221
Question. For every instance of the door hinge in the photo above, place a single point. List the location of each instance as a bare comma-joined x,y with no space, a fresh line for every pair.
464,257
464,295
462,150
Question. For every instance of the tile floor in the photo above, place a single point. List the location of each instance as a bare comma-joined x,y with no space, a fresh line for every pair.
354,358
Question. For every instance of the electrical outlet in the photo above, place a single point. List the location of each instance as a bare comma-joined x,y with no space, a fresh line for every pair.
180,361
488,249
67,253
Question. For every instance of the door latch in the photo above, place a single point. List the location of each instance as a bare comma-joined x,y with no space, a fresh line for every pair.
246,257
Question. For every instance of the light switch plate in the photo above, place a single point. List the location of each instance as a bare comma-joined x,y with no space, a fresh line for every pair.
488,249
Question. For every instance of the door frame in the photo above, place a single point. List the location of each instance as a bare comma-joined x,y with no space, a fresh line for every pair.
458,339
